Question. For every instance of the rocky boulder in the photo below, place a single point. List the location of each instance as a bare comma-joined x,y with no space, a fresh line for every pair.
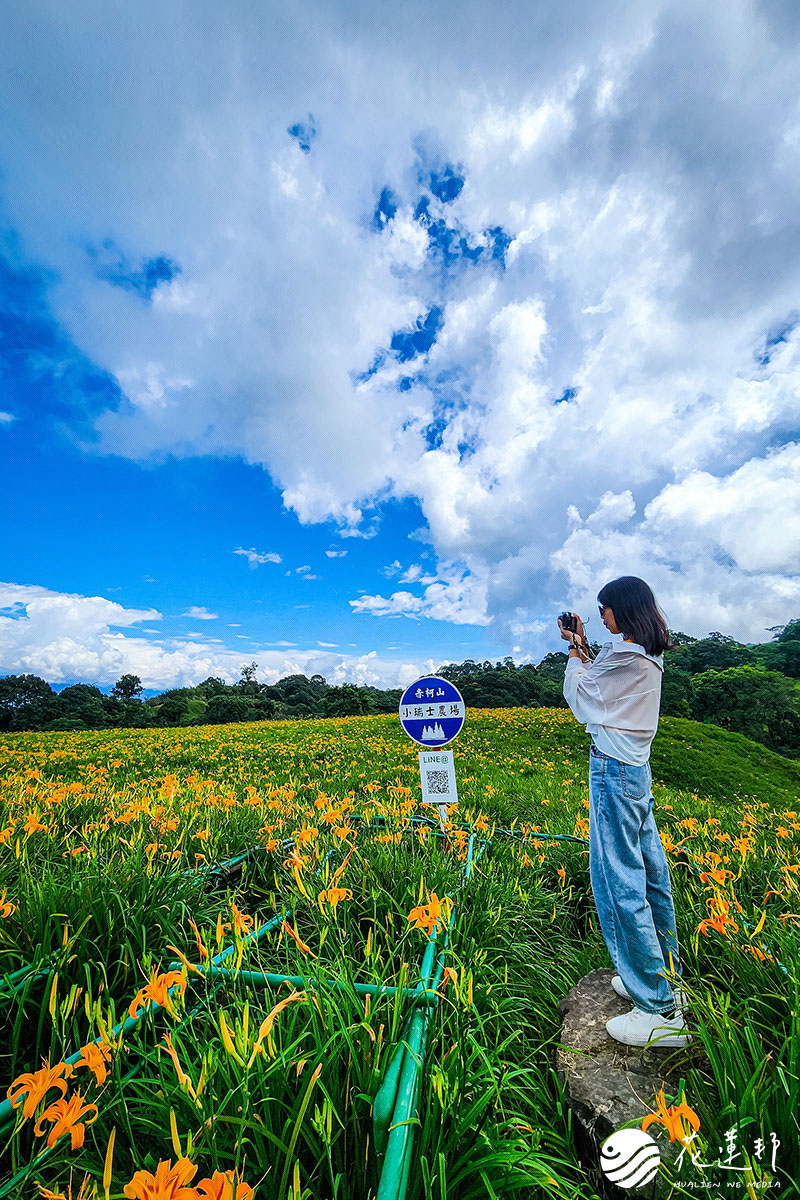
608,1084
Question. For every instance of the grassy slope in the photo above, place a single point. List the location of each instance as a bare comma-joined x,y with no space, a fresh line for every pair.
710,761
687,756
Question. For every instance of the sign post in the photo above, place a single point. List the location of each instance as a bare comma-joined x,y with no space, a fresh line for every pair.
432,712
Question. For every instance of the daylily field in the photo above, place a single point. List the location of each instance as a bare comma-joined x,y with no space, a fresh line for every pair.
174,1028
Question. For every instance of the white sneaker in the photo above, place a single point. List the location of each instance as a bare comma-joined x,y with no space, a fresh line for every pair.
639,1028
621,990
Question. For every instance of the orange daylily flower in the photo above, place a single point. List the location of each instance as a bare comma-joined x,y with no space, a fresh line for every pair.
448,974
295,860
183,1078
68,1116
265,1030
220,1187
6,907
426,916
718,876
306,949
190,966
95,1056
333,895
672,1118
5,834
46,1194
719,923
242,922
32,824
201,948
168,1183
306,835
36,1084
157,990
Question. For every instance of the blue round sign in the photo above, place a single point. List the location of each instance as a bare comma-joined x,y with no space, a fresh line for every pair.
432,711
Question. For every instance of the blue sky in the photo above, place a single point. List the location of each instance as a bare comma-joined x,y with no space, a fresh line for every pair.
357,343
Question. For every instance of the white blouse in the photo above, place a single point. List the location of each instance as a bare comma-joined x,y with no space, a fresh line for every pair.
618,697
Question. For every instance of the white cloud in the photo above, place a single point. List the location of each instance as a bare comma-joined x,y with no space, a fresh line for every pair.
6,418
458,595
256,557
335,553
399,604
644,157
751,515
64,636
416,574
200,614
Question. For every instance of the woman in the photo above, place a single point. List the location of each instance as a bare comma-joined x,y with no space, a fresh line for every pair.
618,696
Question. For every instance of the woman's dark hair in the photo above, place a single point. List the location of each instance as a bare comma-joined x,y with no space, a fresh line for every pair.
636,613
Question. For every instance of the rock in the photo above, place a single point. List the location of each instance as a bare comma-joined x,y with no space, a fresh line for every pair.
607,1083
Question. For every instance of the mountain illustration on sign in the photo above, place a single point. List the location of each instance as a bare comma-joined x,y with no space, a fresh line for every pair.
432,734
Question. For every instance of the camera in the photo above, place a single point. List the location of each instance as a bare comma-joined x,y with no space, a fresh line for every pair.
569,622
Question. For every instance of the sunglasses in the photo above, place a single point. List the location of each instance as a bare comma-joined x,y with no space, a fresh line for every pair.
602,608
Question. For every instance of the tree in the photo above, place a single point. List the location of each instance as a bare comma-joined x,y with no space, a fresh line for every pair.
248,684
783,656
82,702
677,694
26,702
345,701
717,652
455,671
65,724
223,710
759,704
787,633
301,697
681,639
213,686
172,711
126,687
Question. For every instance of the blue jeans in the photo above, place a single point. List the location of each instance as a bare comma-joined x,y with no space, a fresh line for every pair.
630,880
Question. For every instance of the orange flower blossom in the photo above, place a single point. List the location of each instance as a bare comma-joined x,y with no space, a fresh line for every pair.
168,1183
672,1118
36,1084
68,1116
157,990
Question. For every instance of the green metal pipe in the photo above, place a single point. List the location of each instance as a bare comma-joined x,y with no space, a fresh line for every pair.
397,1159
304,981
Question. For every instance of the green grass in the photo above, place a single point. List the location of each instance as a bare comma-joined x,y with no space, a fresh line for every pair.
144,804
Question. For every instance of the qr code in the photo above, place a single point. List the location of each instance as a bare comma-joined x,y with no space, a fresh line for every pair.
438,783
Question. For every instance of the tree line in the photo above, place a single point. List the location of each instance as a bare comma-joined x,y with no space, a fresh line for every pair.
750,689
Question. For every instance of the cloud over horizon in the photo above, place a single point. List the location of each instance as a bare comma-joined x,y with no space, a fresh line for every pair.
66,637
